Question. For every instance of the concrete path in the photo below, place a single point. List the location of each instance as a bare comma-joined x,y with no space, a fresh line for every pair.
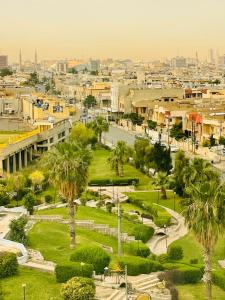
159,243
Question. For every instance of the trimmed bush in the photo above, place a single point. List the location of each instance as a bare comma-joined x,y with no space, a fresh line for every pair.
78,288
8,264
142,232
94,255
218,278
183,274
175,253
48,198
109,182
194,261
67,271
138,265
138,249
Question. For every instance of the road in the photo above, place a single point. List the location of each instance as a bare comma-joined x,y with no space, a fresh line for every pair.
116,134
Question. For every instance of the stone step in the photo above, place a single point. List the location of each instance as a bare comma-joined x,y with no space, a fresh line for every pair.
113,295
39,266
144,278
146,284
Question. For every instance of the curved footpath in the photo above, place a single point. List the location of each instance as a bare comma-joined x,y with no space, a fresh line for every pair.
159,243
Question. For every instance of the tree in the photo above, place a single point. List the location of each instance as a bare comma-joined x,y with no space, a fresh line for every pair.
4,195
119,157
29,202
83,135
67,166
17,230
162,181
181,163
33,80
78,288
152,124
135,118
177,131
222,140
140,148
16,183
205,217
37,178
159,158
99,125
90,101
5,72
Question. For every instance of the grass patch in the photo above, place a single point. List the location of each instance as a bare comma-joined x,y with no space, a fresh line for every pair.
100,169
197,291
39,285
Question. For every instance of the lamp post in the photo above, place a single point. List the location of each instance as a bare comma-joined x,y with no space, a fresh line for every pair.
82,264
174,208
119,224
24,290
165,230
158,197
126,282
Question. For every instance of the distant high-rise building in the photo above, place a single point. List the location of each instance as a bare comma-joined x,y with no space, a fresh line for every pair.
211,57
94,65
3,61
20,60
179,62
62,66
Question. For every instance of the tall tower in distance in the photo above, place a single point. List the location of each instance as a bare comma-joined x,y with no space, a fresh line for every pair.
20,60
35,60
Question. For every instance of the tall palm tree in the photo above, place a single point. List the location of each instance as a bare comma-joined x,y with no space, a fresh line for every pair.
119,157
67,166
162,181
99,125
205,217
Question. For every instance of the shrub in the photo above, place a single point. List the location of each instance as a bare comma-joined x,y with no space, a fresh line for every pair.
109,182
8,264
193,261
4,197
138,265
48,198
17,230
78,288
161,221
175,253
142,232
29,202
138,249
109,206
163,258
67,271
92,255
183,274
218,278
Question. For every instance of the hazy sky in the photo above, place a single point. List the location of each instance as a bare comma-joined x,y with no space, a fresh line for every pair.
111,28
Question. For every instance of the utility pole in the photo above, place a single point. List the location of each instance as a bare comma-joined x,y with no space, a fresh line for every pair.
119,225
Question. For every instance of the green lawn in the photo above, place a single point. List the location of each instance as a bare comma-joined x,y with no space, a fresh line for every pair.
52,240
100,169
39,286
87,213
197,291
154,197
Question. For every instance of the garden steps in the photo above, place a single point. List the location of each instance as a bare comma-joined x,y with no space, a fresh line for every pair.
40,266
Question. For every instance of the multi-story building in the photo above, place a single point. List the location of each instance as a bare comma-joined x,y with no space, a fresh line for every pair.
3,61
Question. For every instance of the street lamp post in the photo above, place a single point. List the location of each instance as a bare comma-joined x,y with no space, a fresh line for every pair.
82,264
119,224
165,230
174,208
24,290
126,282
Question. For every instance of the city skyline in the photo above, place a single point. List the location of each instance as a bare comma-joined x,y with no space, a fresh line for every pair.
100,29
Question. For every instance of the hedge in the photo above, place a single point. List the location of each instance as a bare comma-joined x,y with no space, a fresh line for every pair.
138,265
8,264
142,232
109,182
94,255
175,253
74,269
218,278
138,249
183,274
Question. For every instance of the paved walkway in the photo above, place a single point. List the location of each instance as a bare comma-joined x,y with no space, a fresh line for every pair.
159,243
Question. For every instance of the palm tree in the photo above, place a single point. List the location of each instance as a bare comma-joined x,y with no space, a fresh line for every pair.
205,217
99,125
67,166
119,157
199,170
181,165
162,181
